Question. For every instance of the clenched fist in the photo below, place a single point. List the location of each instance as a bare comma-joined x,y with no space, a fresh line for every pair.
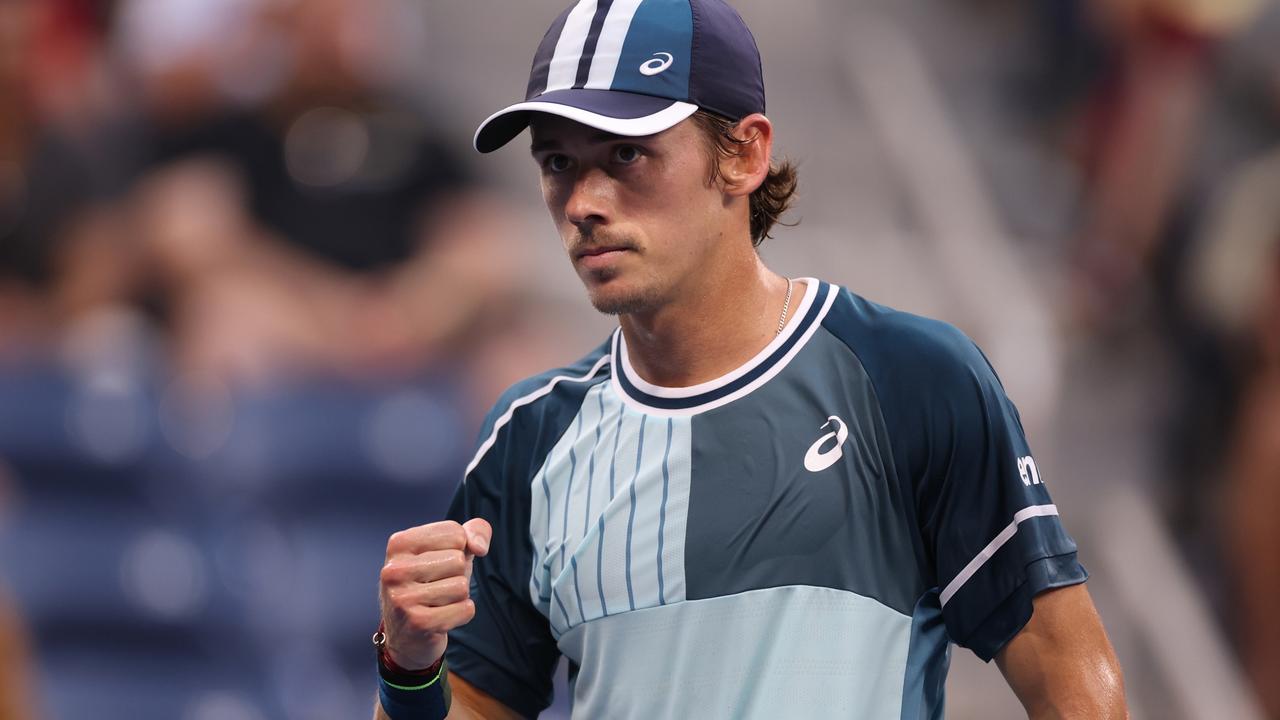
425,587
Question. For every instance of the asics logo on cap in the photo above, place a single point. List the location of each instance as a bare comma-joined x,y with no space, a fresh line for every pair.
656,64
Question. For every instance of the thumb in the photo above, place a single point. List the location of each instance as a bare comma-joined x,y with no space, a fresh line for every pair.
479,532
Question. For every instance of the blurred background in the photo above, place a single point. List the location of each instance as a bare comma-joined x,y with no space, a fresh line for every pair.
256,293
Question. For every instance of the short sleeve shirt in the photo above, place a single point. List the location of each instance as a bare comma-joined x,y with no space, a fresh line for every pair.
802,537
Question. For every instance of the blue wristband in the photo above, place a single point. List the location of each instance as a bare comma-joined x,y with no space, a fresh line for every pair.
427,701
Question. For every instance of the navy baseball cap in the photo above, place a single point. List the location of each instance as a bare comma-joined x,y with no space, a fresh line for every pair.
637,67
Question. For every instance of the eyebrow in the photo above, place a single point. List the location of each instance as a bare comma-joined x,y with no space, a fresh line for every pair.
599,138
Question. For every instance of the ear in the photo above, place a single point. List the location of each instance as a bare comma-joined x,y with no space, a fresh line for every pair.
744,171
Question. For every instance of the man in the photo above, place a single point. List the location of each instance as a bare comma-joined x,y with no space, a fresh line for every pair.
761,497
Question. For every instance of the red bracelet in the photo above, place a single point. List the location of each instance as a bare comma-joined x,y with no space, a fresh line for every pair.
380,642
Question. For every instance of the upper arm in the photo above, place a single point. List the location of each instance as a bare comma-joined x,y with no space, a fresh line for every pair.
990,534
1061,664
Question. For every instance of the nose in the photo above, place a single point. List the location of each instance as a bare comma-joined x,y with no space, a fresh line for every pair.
589,199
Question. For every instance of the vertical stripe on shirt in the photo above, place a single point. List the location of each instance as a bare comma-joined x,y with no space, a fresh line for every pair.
617,434
631,520
577,591
591,461
538,550
662,513
604,605
568,492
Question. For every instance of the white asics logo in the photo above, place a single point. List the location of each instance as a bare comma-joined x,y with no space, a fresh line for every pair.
815,460
656,64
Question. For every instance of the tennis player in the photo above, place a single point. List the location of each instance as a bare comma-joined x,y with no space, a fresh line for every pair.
761,496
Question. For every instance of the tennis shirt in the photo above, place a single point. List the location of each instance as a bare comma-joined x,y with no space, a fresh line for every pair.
802,537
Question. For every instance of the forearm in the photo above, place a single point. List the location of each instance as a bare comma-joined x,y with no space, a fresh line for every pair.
1098,696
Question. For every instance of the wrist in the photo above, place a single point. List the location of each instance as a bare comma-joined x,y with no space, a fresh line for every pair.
411,694
400,664
392,671
387,660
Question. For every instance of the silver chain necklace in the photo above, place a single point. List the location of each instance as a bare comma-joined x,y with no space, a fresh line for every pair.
786,305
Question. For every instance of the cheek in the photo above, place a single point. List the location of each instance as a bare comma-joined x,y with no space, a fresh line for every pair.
554,197
684,198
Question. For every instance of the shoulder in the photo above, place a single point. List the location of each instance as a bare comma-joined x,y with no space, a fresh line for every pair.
548,389
901,349
542,399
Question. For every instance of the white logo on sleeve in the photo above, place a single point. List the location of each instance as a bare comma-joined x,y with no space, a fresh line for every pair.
815,460
1027,469
656,64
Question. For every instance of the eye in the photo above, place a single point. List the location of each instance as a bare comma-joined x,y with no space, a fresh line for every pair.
626,154
556,162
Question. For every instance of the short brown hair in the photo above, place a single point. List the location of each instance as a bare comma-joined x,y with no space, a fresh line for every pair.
774,196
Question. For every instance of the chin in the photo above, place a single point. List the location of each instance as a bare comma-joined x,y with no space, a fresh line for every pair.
614,297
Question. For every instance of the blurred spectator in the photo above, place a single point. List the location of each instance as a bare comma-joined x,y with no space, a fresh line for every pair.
44,179
241,284
15,677
1252,535
299,96
1236,284
243,181
339,236
1124,86
335,236
245,310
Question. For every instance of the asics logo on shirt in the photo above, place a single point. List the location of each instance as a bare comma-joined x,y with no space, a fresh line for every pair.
656,64
815,459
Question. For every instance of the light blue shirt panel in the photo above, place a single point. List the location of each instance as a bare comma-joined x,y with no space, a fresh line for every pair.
608,516
787,652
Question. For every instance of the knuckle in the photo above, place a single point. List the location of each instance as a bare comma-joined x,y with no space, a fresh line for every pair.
391,574
447,564
457,586
454,535
397,542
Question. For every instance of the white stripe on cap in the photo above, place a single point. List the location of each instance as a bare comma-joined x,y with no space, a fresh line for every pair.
609,46
563,71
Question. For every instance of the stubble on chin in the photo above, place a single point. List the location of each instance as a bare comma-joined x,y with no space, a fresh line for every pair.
611,300
622,302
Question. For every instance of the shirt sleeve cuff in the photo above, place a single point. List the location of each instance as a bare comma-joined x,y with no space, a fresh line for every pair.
1012,614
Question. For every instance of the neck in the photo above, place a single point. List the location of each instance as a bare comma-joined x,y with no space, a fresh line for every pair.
719,321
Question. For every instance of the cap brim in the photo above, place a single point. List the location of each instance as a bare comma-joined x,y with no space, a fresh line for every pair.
613,111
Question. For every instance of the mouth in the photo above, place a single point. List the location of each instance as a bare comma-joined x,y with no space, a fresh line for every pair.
600,251
600,258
